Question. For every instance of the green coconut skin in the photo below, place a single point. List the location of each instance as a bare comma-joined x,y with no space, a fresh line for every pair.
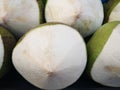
9,42
108,8
97,42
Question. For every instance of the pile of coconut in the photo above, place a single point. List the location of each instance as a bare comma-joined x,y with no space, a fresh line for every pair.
51,50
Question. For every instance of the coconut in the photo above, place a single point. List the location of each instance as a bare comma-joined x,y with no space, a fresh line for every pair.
7,42
51,56
104,55
84,15
20,15
113,13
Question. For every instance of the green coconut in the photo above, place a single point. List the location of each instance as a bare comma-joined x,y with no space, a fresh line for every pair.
20,15
113,12
55,54
104,55
7,43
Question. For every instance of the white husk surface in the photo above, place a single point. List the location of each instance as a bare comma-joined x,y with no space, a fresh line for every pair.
1,52
115,14
19,15
106,69
84,15
51,57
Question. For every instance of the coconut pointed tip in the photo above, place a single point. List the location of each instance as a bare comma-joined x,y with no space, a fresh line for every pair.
50,73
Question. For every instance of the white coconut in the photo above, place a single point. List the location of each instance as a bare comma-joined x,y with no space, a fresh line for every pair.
51,56
1,52
84,15
106,69
19,15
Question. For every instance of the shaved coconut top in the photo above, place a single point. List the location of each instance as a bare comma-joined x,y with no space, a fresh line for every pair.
115,14
19,15
84,15
1,52
106,69
51,56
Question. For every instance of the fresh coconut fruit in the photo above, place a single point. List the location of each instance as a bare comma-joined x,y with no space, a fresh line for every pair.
20,15
104,55
84,15
7,42
51,56
113,13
